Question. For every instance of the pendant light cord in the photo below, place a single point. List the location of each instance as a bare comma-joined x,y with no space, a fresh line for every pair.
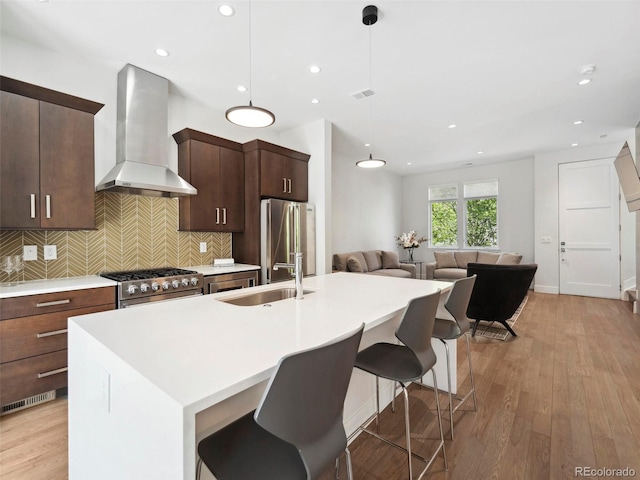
371,96
250,58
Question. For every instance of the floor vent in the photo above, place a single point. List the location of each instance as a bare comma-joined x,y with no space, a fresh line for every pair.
28,402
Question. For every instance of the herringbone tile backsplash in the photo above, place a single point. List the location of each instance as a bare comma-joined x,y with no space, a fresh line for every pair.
133,232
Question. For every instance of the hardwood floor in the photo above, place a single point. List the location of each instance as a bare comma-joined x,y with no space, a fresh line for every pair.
564,394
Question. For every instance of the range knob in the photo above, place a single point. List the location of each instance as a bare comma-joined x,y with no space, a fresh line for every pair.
132,289
175,284
165,285
144,287
155,286
185,282
194,281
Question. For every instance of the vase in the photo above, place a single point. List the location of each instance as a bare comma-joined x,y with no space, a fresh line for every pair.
411,254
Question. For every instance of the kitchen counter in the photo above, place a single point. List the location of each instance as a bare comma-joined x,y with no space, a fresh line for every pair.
157,378
207,270
35,287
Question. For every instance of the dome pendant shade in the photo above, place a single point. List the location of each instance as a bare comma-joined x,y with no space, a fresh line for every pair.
371,162
250,116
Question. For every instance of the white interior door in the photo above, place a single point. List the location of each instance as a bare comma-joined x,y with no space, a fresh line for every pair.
589,229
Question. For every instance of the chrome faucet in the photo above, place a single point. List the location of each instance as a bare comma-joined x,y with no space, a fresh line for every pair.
297,269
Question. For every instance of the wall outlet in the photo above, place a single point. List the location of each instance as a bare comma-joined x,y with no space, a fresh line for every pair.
30,252
545,240
203,247
50,252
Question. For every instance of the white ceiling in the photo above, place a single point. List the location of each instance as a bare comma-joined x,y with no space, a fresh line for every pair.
504,72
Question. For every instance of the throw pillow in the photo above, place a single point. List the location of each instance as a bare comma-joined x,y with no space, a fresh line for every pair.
463,258
373,259
445,260
487,257
390,260
353,264
509,259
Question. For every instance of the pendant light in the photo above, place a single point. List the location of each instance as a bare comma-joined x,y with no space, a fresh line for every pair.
369,17
248,115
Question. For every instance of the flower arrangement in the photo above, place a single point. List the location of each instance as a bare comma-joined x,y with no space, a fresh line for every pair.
409,241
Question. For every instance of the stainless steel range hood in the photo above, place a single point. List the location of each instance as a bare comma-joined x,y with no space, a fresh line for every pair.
141,139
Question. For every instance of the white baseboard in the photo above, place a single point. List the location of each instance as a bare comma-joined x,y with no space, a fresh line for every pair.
546,289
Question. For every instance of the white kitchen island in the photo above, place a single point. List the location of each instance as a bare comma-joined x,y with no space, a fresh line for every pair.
147,383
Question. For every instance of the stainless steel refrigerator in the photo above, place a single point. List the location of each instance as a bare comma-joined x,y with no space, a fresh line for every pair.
285,227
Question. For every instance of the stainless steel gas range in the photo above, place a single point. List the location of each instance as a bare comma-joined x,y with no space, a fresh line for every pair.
136,287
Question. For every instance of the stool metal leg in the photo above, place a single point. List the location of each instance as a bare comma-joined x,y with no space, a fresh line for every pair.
198,468
349,467
473,385
446,349
377,404
407,427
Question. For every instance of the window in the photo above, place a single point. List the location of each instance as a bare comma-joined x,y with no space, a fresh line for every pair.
470,208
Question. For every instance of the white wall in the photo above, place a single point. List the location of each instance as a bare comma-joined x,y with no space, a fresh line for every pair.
367,207
546,212
515,203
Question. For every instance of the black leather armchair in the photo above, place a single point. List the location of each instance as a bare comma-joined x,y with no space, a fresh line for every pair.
498,292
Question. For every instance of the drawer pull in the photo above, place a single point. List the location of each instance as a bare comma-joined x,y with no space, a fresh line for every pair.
48,205
51,333
53,372
55,302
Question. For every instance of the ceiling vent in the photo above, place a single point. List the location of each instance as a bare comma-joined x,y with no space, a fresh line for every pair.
363,94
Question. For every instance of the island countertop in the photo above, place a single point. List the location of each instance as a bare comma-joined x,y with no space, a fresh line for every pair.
200,351
157,378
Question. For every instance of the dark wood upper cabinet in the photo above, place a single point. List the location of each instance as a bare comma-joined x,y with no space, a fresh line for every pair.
47,158
215,166
283,172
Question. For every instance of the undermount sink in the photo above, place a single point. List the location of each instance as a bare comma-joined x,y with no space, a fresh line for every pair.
260,298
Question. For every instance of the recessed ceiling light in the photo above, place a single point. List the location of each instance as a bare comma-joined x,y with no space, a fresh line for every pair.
315,100
242,88
479,152
367,144
468,164
314,69
578,122
584,81
161,52
574,144
587,69
408,163
603,135
226,10
453,125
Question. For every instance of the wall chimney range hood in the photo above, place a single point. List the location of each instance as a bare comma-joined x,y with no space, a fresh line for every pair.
142,165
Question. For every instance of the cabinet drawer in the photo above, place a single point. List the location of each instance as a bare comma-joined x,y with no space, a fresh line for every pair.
56,302
29,336
19,379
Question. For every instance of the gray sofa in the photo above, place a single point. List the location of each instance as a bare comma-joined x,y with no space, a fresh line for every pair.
373,262
451,265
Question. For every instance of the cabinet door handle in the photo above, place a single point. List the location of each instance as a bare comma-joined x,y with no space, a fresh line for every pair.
224,216
53,372
289,182
217,216
55,302
48,204
51,333
33,205
284,185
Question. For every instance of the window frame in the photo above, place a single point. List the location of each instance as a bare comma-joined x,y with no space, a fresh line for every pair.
461,213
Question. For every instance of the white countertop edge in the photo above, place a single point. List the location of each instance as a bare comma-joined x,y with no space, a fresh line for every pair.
52,285
207,270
